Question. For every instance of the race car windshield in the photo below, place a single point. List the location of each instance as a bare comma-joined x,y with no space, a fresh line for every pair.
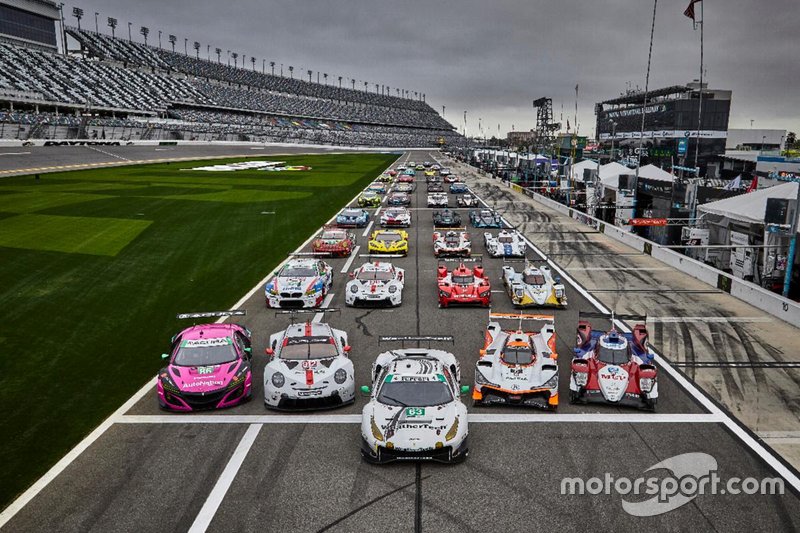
216,352
612,356
395,213
290,271
452,240
392,237
518,355
379,275
464,280
534,279
334,235
351,213
309,348
505,239
415,393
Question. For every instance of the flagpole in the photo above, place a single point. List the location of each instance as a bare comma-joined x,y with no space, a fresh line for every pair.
700,102
644,99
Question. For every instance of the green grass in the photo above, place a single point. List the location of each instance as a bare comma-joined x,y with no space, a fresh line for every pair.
90,283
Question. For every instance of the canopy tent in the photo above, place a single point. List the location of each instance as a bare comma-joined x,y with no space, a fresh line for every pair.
652,172
576,170
750,207
610,173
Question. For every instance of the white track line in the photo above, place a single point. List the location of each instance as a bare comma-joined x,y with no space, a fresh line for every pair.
349,262
369,227
14,153
206,514
712,319
73,454
623,269
325,304
687,385
377,211
488,418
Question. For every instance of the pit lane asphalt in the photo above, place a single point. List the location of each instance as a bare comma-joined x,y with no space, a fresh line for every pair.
309,476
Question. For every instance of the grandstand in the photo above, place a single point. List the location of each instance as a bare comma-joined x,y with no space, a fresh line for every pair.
117,89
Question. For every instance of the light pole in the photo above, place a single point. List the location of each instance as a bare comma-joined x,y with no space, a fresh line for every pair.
172,40
291,71
145,32
253,63
78,14
272,67
235,56
309,76
366,86
186,46
159,39
613,134
197,49
763,138
263,66
112,23
354,83
325,76
340,82
443,108
219,53
96,25
129,32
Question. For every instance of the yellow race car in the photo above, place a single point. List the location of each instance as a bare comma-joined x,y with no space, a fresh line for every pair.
430,173
388,241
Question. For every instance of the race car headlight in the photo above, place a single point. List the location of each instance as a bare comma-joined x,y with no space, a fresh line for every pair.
559,293
340,376
480,379
552,383
451,433
581,378
354,289
485,293
392,289
443,294
376,431
278,380
646,384
271,289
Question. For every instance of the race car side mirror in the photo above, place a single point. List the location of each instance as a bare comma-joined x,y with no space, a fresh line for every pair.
464,389
576,351
365,390
269,351
248,350
347,348
164,356
352,276
482,352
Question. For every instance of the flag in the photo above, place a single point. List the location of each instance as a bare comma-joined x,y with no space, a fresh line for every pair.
735,183
690,10
753,184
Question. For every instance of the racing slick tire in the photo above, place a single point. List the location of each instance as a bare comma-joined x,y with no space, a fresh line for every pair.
574,397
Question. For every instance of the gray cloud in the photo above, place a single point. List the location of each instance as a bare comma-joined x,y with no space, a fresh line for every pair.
493,58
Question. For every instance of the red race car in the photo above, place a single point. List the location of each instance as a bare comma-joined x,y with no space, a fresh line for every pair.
405,178
463,285
334,241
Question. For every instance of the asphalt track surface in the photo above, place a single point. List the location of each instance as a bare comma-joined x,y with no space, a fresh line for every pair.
247,468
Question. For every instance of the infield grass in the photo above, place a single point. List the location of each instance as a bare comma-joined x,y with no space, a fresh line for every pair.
94,266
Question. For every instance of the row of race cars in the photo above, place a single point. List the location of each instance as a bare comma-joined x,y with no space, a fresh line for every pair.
415,411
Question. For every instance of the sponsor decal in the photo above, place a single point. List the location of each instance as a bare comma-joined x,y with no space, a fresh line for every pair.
308,364
215,383
199,343
412,412
82,143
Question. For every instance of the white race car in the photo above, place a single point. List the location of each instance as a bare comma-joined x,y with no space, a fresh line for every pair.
308,368
437,199
507,243
467,200
300,283
518,367
415,412
396,217
377,283
535,286
452,243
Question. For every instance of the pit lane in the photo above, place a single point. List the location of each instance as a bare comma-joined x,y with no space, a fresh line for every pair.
157,470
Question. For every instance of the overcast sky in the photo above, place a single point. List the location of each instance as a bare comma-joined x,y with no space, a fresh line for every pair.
492,58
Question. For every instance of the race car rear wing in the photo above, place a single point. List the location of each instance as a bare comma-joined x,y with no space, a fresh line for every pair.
474,258
447,228
522,316
294,312
403,339
213,314
311,254
611,316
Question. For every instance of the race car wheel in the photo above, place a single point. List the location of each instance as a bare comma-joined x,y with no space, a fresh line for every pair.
574,397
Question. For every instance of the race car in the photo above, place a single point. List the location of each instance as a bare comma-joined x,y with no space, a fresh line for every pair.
410,165
386,178
452,243
377,187
414,412
507,243
406,187
333,241
369,199
435,186
437,199
613,367
396,217
535,286
400,168
406,177
302,282
377,283
444,171
458,188
467,200
392,173
308,368
517,367
463,286
388,241
430,173
446,219
436,167
450,178
352,218
398,198
485,218
427,164
419,167
208,366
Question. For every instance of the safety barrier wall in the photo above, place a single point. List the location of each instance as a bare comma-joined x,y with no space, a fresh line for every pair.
769,302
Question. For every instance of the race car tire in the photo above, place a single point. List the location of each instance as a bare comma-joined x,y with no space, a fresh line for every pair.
574,397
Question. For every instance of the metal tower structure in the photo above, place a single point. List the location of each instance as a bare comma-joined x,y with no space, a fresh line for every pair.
545,127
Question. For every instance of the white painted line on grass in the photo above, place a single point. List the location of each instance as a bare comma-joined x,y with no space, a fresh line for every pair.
349,262
209,509
368,228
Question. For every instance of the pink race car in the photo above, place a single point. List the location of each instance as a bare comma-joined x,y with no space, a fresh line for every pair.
208,366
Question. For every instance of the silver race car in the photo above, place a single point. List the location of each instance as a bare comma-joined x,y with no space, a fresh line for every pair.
437,199
302,282
396,217
378,283
517,367
452,243
507,243
415,412
534,286
308,368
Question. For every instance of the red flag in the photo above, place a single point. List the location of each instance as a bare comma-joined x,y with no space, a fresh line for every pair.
753,184
690,10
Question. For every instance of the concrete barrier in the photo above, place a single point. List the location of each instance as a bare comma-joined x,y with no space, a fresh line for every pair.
767,301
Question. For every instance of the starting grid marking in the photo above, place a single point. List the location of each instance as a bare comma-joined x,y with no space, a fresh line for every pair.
489,418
